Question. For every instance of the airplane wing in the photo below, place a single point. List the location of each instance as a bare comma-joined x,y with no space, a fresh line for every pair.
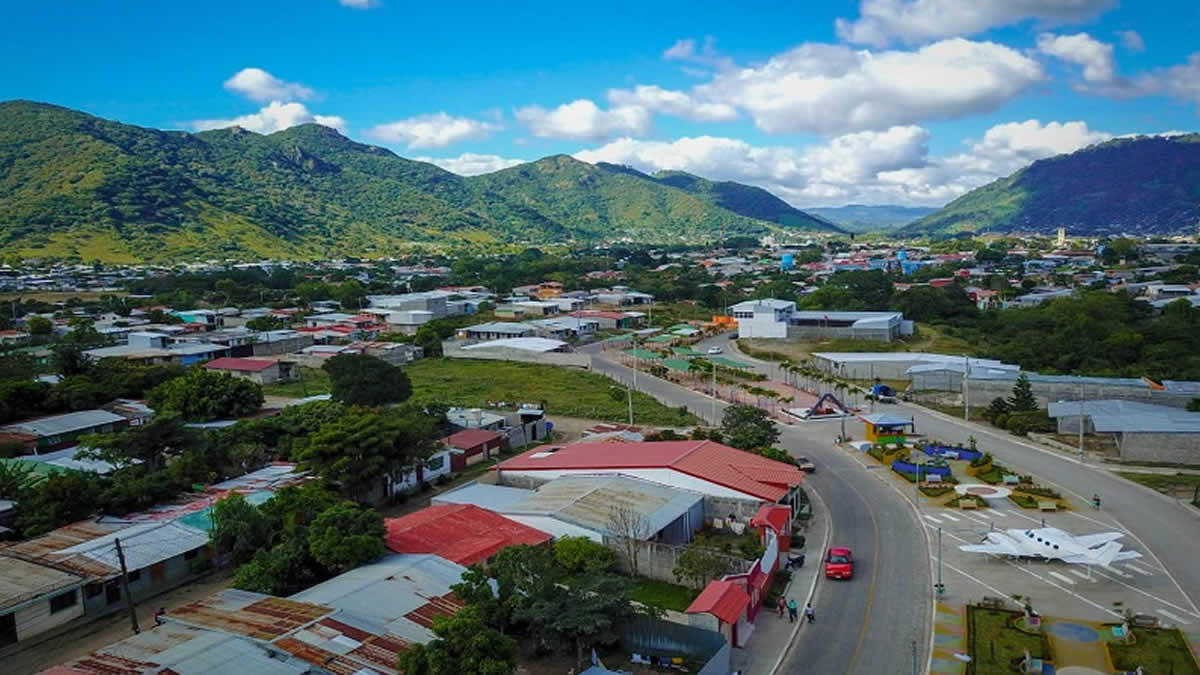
1104,556
994,543
1094,540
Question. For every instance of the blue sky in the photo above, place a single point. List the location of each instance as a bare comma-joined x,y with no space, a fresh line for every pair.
878,101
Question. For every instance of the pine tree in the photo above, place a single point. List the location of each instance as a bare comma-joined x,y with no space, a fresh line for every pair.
1022,399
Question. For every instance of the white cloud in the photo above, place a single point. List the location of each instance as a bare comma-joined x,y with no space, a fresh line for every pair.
359,4
1182,81
826,88
892,166
432,131
916,21
1081,49
274,117
705,55
583,120
472,164
1131,40
682,50
678,103
257,84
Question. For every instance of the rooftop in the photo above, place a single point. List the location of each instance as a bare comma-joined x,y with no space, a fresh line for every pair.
529,344
144,544
55,425
469,438
1109,416
590,502
181,650
723,599
499,327
886,419
486,496
722,465
240,365
21,581
252,615
460,533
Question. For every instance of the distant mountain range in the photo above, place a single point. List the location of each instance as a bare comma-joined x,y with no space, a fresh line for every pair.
1142,185
862,218
77,186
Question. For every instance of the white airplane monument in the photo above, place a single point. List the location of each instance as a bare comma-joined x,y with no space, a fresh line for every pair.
1049,543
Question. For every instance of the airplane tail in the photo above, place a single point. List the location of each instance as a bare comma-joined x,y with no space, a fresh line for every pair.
1106,554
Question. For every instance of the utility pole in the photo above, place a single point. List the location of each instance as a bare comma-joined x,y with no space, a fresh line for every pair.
939,587
629,390
714,392
966,388
125,587
914,657
1080,420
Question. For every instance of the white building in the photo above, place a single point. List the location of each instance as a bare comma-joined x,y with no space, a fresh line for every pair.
763,318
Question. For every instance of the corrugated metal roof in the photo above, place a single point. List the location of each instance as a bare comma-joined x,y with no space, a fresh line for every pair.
461,533
591,501
144,544
55,425
253,615
1112,416
173,648
402,593
723,599
21,581
68,459
529,344
45,549
491,497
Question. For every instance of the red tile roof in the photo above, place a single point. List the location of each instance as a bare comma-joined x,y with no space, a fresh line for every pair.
723,599
775,517
462,533
470,438
241,365
719,464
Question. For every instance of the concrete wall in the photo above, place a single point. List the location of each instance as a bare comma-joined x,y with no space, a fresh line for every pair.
869,370
151,581
35,617
881,334
983,391
1174,448
657,560
454,350
282,346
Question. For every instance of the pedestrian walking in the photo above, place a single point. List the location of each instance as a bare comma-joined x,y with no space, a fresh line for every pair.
791,605
809,613
780,606
160,616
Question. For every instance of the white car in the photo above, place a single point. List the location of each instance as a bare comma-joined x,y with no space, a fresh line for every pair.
714,350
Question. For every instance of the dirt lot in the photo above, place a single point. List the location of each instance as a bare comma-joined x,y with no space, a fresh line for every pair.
86,639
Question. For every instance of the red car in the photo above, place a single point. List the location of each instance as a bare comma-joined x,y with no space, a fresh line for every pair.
839,563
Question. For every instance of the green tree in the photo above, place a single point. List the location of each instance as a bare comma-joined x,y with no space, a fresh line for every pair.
283,570
265,323
203,395
15,478
350,294
430,342
16,366
359,379
69,360
589,610
582,555
465,643
747,427
39,326
58,499
777,454
239,528
999,406
700,563
346,536
149,443
1022,399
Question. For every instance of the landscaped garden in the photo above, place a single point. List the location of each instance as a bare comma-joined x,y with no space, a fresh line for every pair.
1156,650
995,645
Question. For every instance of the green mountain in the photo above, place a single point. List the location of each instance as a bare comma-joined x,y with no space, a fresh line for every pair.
77,186
863,218
749,201
1141,185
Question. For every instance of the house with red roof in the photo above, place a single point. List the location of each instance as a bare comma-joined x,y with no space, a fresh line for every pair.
706,467
461,533
261,371
471,446
721,607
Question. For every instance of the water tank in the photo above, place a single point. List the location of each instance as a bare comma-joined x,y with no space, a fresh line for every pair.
787,262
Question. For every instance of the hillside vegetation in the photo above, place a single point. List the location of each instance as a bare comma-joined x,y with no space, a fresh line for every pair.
1137,185
74,185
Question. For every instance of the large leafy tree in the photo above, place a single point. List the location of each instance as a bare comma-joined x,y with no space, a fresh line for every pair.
239,528
203,395
345,536
359,379
747,427
148,444
365,447
60,498
465,643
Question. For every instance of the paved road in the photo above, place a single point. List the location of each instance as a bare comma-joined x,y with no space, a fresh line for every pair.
1167,530
867,625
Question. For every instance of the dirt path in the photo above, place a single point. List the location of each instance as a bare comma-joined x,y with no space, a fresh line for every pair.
86,639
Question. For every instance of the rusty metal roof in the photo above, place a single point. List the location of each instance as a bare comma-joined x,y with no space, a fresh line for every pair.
21,581
342,648
46,549
252,615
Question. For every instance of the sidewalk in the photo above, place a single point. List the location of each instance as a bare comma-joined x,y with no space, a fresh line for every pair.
773,635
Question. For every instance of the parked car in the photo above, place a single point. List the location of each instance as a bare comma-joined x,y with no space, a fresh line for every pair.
839,563
715,350
805,465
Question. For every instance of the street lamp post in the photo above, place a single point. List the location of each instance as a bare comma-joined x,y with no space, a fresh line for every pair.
939,586
966,388
714,392
1080,420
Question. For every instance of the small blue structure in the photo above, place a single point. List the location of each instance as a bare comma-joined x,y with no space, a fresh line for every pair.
787,263
947,452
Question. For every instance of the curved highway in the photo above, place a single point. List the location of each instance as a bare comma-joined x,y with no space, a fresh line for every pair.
867,625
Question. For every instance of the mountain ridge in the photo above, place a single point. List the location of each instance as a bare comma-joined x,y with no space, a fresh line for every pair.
77,186
870,218
1136,185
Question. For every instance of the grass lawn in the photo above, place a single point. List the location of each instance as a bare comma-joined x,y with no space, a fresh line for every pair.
993,645
1156,650
662,594
465,382
928,339
1164,482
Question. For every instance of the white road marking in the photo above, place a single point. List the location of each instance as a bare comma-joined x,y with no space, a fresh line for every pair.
1062,577
932,519
1172,617
1152,597
1081,575
947,515
1137,569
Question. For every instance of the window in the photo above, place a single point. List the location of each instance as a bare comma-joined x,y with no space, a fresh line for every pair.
191,554
134,576
435,463
63,600
92,590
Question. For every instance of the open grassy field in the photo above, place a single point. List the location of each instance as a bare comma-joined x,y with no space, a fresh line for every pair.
1156,650
928,339
57,296
465,382
994,645
664,595
1176,485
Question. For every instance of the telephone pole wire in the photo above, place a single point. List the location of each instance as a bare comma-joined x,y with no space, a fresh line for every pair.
125,587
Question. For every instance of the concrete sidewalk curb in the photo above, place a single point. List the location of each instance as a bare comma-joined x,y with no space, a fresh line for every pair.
815,499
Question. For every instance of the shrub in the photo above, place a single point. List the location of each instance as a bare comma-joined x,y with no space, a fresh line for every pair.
1042,492
1024,501
751,549
936,491
426,486
982,460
